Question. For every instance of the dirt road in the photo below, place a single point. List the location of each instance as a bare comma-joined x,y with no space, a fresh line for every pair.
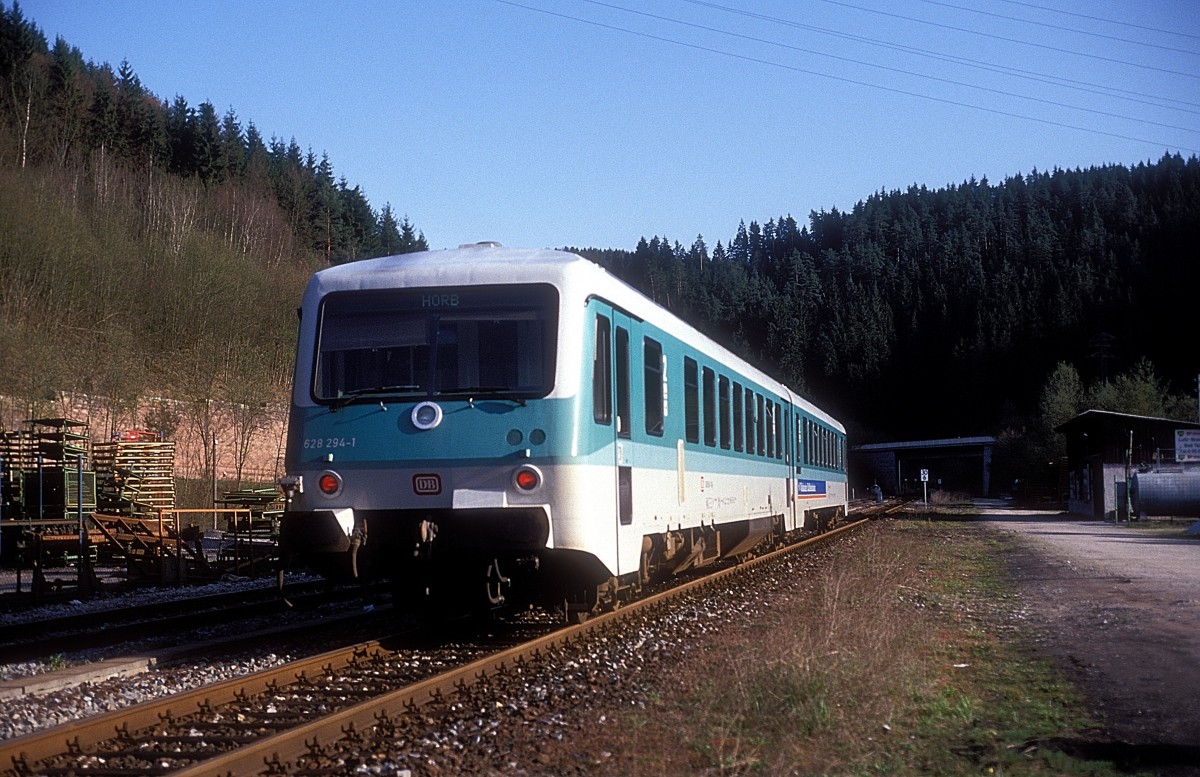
1118,606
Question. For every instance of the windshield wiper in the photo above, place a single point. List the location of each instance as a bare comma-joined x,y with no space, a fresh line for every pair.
491,391
346,397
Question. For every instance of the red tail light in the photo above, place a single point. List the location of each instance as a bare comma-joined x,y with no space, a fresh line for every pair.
329,483
527,479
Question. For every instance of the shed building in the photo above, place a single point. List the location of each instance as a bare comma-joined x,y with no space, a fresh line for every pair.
1104,449
955,464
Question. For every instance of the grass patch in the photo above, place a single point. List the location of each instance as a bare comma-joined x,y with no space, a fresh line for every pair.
902,654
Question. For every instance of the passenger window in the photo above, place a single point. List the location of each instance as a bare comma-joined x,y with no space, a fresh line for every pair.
691,400
723,389
738,439
799,442
602,372
769,451
762,427
653,372
778,431
710,407
751,426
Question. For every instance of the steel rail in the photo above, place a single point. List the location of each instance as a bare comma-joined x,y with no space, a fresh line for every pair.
39,746
35,639
277,752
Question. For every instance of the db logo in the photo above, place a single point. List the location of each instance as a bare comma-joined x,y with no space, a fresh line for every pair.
427,485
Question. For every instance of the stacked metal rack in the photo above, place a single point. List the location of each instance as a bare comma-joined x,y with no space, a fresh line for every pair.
137,474
57,486
74,513
48,495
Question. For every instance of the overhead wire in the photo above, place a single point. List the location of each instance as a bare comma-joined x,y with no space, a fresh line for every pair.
1082,86
1059,27
843,79
888,68
1006,39
1102,19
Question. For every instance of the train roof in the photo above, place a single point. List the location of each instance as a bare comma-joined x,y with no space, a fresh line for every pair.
472,263
492,263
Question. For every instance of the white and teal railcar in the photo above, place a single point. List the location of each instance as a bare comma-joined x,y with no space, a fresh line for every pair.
521,426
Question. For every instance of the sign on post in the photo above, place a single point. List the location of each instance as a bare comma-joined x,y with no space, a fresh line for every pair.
1187,445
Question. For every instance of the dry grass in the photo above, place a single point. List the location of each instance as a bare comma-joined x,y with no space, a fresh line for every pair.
896,657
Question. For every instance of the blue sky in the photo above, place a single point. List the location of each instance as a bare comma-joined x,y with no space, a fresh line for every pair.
545,123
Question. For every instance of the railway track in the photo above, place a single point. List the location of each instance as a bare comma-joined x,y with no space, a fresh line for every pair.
37,639
312,716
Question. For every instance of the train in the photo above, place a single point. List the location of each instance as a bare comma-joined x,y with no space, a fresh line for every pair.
497,427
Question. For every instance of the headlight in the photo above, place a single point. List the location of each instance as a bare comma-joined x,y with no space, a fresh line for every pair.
426,415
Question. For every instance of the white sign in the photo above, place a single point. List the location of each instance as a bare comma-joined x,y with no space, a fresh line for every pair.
1187,445
924,476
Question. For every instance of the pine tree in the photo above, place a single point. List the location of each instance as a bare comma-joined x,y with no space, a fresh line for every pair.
181,137
388,228
232,147
410,240
70,106
207,145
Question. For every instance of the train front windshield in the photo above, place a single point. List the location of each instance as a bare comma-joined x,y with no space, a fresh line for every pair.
466,341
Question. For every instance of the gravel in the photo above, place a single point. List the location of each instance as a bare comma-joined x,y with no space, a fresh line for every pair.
132,600
541,703
37,710
42,710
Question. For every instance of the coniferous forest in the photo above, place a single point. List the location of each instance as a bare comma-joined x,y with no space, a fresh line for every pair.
151,246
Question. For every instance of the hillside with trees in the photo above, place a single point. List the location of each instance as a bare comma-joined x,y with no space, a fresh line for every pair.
151,247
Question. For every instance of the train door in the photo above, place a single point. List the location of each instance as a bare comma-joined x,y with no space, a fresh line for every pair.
612,396
789,459
624,425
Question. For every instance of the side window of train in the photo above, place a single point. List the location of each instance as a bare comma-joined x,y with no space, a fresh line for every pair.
691,399
751,425
762,427
602,372
624,425
710,407
653,372
807,443
738,439
723,391
778,431
769,451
